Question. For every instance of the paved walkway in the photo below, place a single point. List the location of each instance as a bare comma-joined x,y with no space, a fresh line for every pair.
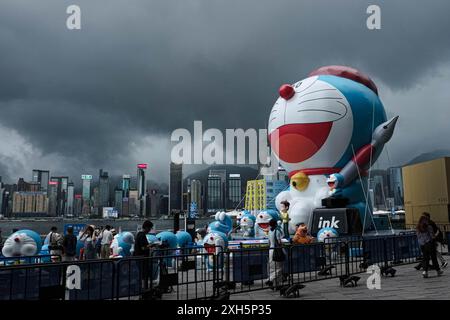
408,283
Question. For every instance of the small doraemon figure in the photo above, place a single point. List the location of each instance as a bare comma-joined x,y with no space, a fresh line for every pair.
326,233
263,219
214,243
222,223
247,224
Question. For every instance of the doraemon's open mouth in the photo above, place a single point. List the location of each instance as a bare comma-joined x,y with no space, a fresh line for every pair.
331,184
210,248
264,226
299,142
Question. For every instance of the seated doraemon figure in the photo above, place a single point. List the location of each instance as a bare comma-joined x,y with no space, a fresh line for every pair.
184,240
168,239
263,218
326,233
248,222
222,223
23,243
214,243
169,243
122,245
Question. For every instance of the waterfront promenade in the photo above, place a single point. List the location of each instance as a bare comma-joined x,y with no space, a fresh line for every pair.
407,284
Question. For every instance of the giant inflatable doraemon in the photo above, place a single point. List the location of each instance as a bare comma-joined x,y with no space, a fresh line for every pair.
326,131
22,243
122,245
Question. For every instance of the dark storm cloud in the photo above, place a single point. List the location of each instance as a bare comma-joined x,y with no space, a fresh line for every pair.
142,68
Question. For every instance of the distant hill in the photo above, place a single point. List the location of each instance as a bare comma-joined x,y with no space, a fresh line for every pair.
440,153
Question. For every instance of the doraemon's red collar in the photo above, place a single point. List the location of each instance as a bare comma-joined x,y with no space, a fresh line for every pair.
316,171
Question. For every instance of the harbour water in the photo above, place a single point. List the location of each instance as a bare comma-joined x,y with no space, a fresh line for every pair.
42,226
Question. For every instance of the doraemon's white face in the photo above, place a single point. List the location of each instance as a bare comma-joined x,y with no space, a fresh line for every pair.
246,222
263,219
327,233
19,244
213,242
312,128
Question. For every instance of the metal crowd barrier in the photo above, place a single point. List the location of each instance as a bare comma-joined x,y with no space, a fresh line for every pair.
195,273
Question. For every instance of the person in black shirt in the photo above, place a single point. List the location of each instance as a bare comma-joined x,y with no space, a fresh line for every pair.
142,249
141,245
69,245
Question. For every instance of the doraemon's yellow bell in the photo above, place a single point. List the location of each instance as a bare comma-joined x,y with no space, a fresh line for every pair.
300,181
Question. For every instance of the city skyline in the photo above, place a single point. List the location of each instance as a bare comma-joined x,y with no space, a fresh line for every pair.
109,95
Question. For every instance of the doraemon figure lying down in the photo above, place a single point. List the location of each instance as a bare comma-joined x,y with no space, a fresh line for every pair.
23,243
214,243
122,245
247,225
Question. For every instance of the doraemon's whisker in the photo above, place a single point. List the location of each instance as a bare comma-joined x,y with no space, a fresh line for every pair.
319,110
335,98
317,91
308,86
275,110
272,119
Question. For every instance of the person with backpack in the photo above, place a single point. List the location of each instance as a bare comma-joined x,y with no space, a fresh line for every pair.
88,239
438,238
69,245
276,255
54,241
425,237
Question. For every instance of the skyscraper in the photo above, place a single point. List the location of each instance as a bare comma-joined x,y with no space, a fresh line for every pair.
196,194
70,199
255,195
103,182
176,188
62,184
133,203
29,204
42,177
86,193
118,198
52,198
216,190
126,181
142,188
234,192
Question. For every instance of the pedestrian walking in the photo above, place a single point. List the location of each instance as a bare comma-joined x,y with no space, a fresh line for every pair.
425,237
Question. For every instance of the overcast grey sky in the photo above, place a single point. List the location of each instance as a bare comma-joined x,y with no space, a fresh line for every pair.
109,95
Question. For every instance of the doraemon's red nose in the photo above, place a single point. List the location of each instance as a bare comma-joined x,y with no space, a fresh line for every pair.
16,239
286,91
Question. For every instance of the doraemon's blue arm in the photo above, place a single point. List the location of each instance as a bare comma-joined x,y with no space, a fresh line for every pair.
363,157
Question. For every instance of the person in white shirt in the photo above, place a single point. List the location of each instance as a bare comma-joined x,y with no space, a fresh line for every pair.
275,266
54,242
106,240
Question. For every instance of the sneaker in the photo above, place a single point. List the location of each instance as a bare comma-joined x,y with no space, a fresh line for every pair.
439,273
444,264
425,274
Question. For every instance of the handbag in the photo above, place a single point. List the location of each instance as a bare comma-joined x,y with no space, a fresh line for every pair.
278,252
